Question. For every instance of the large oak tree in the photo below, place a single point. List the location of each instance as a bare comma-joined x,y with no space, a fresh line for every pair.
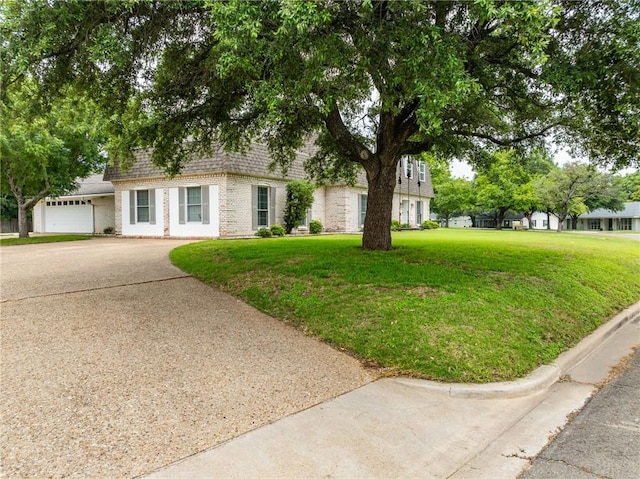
370,80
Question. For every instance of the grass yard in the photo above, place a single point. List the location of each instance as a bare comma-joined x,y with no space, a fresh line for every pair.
451,305
42,239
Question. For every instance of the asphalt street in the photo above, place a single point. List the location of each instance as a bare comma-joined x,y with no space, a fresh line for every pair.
603,441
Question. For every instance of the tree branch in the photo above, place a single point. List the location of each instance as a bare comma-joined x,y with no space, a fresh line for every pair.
505,141
416,147
356,150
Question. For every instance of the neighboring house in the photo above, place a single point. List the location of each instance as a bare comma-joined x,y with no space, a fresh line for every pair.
234,194
454,221
604,220
598,220
487,220
88,209
541,221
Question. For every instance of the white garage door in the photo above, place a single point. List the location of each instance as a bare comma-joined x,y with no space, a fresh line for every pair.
69,218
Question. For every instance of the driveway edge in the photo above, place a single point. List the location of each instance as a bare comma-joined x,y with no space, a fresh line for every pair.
540,379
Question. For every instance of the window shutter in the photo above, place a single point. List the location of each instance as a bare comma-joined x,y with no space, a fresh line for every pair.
181,205
152,207
272,206
132,207
254,207
205,205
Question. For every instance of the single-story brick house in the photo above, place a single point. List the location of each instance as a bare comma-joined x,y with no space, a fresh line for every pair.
88,209
234,194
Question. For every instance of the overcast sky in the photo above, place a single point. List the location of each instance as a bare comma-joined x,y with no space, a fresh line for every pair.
461,169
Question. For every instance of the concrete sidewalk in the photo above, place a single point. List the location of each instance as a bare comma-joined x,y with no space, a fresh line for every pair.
408,428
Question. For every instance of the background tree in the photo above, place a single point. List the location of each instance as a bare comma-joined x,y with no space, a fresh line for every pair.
439,169
299,200
8,207
537,164
572,188
504,183
45,148
374,80
630,185
451,198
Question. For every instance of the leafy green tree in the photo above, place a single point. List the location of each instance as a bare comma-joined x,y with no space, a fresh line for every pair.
451,198
439,169
537,164
575,189
8,207
630,185
299,200
371,80
44,149
503,185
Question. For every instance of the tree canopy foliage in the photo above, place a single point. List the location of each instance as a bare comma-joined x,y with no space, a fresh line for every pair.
630,185
372,80
451,198
575,189
45,147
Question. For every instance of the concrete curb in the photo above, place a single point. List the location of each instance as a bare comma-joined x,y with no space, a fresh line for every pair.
538,380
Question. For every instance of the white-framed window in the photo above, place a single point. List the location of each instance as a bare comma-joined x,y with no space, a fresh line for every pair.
545,223
407,166
594,224
142,206
305,221
262,206
422,171
263,200
533,223
193,204
362,209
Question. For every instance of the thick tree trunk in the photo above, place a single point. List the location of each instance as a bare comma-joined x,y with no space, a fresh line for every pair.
548,220
377,222
446,224
23,223
500,219
574,222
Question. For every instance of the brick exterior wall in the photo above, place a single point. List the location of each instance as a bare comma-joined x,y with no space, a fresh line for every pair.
235,174
337,207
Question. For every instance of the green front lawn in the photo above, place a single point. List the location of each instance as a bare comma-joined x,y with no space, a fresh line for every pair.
451,305
42,239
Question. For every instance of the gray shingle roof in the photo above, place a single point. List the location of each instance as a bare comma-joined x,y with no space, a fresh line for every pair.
631,210
93,185
254,162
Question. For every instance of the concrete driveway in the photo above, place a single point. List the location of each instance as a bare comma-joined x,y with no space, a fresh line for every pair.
115,363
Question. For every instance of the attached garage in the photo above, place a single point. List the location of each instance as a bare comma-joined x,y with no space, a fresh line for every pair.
89,209
68,216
